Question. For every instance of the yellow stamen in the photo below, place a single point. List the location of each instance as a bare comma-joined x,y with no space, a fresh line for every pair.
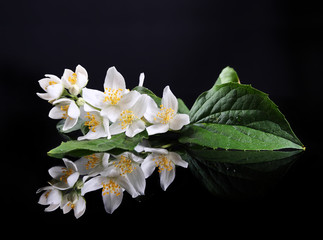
125,165
92,123
66,173
73,79
64,108
163,163
93,161
127,118
113,95
111,187
165,114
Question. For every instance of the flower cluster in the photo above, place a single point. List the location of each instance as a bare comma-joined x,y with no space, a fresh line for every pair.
102,114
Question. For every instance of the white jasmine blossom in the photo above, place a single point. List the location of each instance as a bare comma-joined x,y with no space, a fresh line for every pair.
112,185
65,109
128,165
115,97
66,176
130,120
165,117
98,125
165,161
75,81
51,197
53,87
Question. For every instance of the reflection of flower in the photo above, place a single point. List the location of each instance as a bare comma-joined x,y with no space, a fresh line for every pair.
127,164
165,117
113,184
51,197
165,161
75,201
65,109
66,176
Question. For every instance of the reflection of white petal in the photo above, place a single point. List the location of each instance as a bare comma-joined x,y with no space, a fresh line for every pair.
177,160
179,121
92,185
148,166
157,128
79,207
111,201
167,177
169,100
137,179
69,123
56,172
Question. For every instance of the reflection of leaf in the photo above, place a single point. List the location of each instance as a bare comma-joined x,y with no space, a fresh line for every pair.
253,178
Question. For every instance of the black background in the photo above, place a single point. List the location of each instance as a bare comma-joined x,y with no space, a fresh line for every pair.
276,46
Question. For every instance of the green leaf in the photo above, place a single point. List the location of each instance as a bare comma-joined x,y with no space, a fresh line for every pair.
237,116
86,147
227,75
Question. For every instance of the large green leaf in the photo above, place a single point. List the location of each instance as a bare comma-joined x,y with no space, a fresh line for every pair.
81,148
237,116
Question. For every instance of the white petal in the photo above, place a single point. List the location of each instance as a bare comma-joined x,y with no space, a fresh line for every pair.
140,107
52,207
112,201
128,100
56,112
45,96
141,79
70,164
151,111
55,91
169,100
93,97
81,70
73,110
124,182
112,112
81,165
166,178
177,159
92,185
116,128
67,73
156,150
179,121
136,127
114,79
157,128
148,166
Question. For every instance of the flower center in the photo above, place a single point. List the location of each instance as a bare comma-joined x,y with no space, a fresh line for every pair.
66,173
126,118
110,187
73,78
51,83
125,165
113,95
64,108
163,163
165,114
72,205
93,161
92,123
